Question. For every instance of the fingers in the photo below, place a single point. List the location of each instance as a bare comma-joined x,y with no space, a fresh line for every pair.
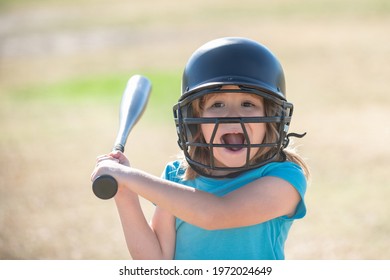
104,165
93,175
102,161
106,157
107,163
122,159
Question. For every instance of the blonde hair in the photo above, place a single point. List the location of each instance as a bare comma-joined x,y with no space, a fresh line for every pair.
201,154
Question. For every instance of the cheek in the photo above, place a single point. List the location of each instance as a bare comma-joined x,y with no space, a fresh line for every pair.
258,133
207,131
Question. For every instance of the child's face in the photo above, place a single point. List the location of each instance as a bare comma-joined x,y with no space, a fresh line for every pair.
222,105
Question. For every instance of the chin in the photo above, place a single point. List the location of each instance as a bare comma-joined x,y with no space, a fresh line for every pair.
234,159
232,163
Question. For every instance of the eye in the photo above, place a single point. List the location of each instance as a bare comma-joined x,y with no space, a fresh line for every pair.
247,104
218,105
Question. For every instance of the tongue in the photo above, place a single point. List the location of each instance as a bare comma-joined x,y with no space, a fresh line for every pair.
233,139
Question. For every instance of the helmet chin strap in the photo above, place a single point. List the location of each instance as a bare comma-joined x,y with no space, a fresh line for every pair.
292,134
287,141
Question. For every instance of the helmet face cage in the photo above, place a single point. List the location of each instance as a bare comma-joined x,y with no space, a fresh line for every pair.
191,141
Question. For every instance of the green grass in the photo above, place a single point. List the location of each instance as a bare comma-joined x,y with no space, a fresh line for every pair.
251,8
99,87
103,89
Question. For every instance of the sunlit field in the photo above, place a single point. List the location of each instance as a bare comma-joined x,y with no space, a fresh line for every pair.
64,65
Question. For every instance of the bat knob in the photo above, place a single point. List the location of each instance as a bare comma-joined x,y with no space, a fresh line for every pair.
105,187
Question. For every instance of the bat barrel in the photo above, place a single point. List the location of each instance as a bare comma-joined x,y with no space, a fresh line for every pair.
133,104
134,100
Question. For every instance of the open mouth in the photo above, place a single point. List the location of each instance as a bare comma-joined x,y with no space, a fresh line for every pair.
237,139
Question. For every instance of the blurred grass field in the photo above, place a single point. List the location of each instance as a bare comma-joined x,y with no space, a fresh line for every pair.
64,65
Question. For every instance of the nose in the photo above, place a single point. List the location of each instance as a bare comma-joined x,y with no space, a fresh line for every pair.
233,126
234,112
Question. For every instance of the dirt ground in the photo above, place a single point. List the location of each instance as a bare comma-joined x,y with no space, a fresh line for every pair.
336,56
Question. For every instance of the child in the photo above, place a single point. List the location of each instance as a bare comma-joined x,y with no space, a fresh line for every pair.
238,189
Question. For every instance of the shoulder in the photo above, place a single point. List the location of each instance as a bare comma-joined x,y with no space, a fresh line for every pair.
291,173
288,171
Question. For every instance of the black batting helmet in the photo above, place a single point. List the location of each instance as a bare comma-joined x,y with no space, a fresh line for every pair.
251,67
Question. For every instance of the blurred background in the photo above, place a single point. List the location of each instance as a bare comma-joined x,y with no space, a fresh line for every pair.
63,68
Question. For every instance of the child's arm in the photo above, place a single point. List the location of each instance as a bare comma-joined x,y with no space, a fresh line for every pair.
257,202
144,241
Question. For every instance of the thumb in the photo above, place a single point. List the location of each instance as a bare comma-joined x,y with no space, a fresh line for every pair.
120,157
116,154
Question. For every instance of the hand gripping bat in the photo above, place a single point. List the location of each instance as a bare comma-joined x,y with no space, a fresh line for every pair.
133,104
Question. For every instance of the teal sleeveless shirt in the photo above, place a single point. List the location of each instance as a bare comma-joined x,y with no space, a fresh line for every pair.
264,241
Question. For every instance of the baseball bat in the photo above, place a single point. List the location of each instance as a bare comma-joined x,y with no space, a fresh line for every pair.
133,104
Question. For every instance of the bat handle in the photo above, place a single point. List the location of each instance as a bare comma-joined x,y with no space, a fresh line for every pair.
105,186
